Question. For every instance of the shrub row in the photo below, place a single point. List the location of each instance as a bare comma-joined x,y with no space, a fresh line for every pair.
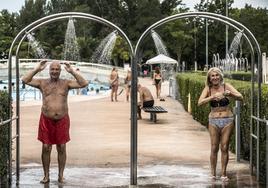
4,129
194,83
244,76
239,75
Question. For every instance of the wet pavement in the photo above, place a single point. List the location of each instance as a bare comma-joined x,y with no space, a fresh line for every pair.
149,176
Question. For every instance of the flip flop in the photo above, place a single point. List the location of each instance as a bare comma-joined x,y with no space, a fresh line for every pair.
44,181
213,178
224,178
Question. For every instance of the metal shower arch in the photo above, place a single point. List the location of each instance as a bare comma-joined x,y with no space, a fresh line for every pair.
228,21
21,35
221,18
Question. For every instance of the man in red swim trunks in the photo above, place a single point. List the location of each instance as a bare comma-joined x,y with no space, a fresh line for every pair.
54,120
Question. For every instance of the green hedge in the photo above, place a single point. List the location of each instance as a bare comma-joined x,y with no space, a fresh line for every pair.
239,75
194,83
243,76
4,115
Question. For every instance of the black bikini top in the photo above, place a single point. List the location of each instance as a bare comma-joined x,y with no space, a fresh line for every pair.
221,103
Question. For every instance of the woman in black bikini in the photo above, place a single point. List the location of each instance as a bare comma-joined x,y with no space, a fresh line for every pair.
221,124
157,79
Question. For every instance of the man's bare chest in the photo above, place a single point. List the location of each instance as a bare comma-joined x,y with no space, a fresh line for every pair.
55,89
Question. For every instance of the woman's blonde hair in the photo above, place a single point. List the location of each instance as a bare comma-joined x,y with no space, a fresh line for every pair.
217,70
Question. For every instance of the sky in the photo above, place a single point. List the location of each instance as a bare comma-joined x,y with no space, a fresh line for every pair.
15,5
237,3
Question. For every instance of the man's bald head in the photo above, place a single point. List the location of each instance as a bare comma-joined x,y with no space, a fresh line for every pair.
54,70
55,64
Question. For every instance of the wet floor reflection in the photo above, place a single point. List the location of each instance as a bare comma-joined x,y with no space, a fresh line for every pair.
157,176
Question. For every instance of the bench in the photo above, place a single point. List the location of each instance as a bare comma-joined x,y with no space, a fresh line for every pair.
153,111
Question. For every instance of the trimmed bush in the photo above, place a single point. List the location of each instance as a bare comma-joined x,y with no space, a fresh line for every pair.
4,129
243,76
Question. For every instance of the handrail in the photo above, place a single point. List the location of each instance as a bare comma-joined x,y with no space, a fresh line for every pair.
7,121
259,119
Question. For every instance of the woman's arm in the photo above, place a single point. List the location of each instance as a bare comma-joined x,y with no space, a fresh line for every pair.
204,98
113,78
154,79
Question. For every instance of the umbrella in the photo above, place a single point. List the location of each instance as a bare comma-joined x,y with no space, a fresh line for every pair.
161,59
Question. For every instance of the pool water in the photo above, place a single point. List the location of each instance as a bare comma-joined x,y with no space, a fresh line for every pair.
31,93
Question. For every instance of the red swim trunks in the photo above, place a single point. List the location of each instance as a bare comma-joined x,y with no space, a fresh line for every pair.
54,131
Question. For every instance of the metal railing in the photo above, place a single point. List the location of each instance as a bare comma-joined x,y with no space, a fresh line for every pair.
8,122
237,111
173,88
256,137
4,122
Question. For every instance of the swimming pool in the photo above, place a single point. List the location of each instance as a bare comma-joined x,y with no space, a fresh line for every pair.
28,93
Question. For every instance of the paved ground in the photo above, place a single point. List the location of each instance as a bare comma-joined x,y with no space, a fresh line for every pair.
174,152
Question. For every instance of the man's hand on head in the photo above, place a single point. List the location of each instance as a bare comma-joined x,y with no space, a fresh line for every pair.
68,67
42,65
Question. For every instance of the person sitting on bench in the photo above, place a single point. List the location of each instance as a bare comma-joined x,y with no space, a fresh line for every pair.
146,99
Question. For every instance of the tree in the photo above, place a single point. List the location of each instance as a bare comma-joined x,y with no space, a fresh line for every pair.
256,20
132,16
30,12
121,51
216,30
179,38
168,6
7,30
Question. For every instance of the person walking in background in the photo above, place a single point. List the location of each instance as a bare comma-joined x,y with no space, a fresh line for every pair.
128,84
157,80
221,120
146,99
54,119
114,82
